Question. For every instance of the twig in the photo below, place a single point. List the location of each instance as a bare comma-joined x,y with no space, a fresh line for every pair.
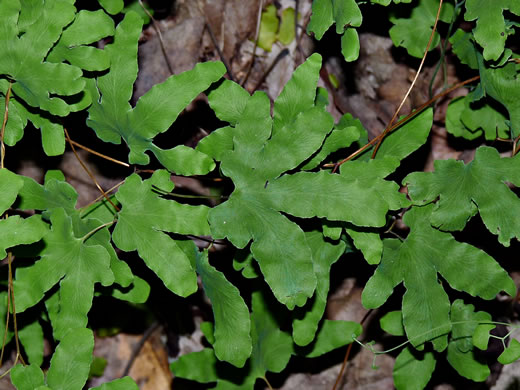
280,55
92,177
413,82
258,21
100,154
137,348
220,54
347,354
396,125
159,35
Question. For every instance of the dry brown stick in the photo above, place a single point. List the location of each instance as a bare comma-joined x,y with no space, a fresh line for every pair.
219,52
100,154
405,119
413,82
259,19
92,177
159,35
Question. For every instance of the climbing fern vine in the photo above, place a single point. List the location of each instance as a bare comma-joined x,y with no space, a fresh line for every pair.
295,208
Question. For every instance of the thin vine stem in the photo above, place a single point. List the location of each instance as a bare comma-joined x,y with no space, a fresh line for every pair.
387,130
399,123
99,154
95,230
92,177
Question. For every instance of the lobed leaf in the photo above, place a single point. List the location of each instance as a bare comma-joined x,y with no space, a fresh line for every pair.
413,31
491,30
76,265
145,220
503,84
113,119
461,354
463,190
37,82
332,335
416,262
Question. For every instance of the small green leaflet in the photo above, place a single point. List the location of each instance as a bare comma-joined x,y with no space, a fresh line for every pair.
232,325
463,190
142,225
461,354
112,117
69,368
468,119
346,14
416,262
88,27
324,254
503,85
413,31
413,369
491,31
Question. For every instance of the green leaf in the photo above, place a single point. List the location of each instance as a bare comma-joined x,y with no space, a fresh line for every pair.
88,27
467,364
125,383
145,219
465,321
244,261
228,101
31,337
73,263
286,32
350,44
503,84
232,324
112,6
392,322
491,31
18,231
332,335
10,185
272,347
413,369
409,137
27,377
324,254
368,241
481,335
70,363
261,153
268,28
340,137
97,368
199,366
463,190
416,261
464,49
112,117
326,12
37,82
16,121
413,31
511,353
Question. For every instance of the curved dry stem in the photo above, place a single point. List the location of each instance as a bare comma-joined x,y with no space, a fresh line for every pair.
92,177
387,130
